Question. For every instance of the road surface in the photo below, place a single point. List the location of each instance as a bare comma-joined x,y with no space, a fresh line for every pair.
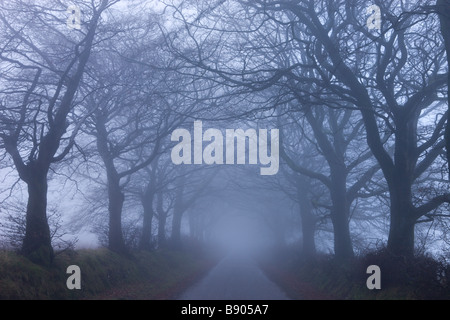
235,278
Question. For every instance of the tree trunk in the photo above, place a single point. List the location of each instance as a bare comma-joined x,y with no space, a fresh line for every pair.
178,215
116,200
334,154
308,220
195,229
176,228
162,231
116,197
402,222
401,230
401,234
343,247
37,242
444,16
162,219
146,237
308,234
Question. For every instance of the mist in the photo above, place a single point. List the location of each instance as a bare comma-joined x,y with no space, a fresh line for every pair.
227,150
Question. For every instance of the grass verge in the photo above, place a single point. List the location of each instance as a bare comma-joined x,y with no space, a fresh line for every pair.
418,278
104,275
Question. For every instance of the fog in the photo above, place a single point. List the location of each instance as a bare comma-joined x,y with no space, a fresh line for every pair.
280,132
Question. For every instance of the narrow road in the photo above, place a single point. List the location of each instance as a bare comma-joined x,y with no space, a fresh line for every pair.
235,278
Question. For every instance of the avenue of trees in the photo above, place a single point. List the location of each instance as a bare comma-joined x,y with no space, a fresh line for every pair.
363,115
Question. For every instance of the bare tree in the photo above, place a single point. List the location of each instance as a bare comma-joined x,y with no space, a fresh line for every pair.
137,107
443,9
129,134
43,64
337,134
394,76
